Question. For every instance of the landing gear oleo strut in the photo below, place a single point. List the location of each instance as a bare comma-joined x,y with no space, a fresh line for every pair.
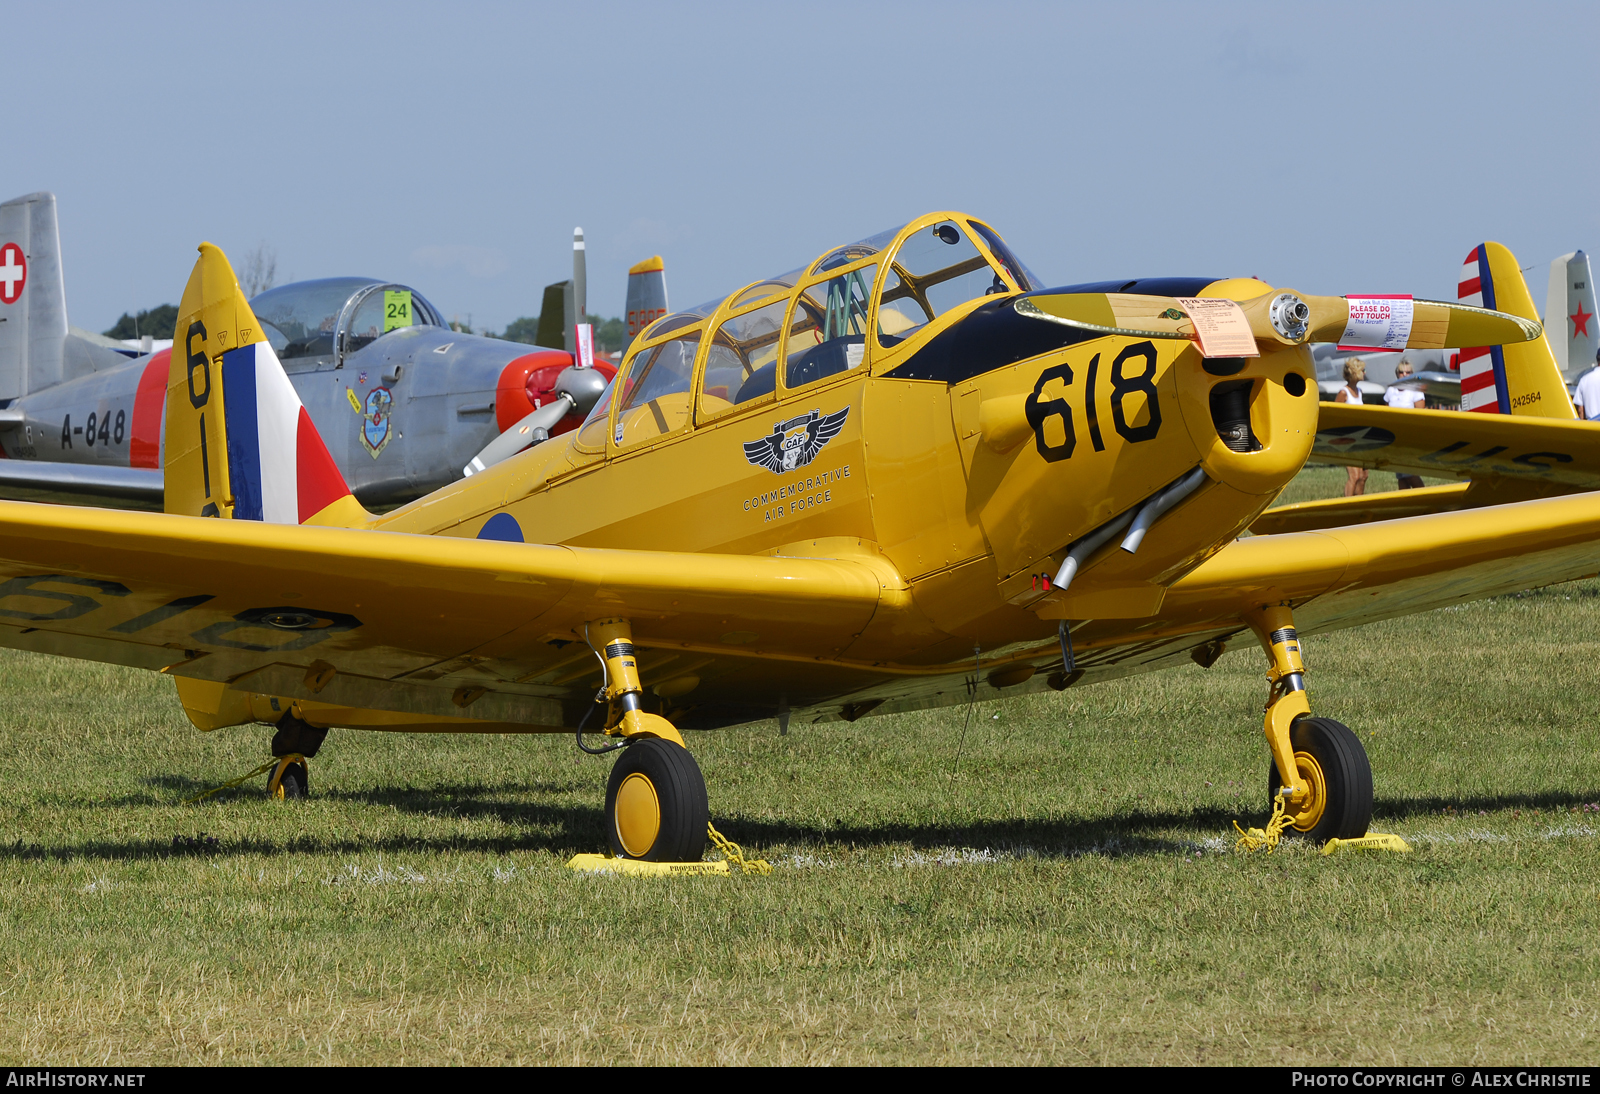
656,806
1318,766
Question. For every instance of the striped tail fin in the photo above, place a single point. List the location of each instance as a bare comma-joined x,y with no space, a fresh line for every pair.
239,443
1519,379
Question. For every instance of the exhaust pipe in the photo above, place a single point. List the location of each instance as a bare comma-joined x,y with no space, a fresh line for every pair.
1152,510
1141,519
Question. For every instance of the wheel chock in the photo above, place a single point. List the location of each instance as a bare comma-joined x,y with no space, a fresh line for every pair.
1373,841
632,867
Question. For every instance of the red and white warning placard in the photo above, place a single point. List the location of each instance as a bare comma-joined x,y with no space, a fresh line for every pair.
13,273
1378,322
1220,327
585,341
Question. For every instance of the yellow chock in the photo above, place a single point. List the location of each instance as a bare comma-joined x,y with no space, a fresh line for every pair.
1373,841
733,855
632,867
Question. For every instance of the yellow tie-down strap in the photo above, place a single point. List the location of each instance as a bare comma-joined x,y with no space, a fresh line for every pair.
632,867
1373,841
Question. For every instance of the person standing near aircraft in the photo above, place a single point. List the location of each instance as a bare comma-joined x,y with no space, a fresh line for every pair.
1354,372
1586,396
1404,398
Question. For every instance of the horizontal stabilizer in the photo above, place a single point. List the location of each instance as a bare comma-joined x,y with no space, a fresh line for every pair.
85,480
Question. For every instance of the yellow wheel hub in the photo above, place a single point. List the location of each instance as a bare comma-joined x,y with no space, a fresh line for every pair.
638,815
1309,811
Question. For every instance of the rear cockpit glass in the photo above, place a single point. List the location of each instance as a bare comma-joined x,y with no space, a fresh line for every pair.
761,290
843,256
742,362
935,269
679,319
828,333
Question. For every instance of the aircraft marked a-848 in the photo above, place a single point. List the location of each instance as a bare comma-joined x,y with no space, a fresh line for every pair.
897,470
403,401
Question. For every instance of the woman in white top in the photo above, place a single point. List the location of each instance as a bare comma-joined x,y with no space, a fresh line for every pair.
1405,398
1354,372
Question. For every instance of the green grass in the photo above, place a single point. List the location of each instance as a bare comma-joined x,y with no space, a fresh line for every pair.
1066,895
1318,481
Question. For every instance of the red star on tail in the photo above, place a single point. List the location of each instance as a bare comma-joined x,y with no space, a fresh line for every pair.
1580,322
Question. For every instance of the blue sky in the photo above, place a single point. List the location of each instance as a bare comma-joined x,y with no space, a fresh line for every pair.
1333,148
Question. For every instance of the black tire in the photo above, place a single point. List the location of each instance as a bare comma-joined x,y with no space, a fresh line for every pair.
295,784
1346,773
681,813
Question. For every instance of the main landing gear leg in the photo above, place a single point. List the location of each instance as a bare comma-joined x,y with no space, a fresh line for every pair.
294,743
656,806
1318,767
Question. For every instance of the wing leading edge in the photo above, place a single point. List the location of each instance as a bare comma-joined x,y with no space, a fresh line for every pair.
222,600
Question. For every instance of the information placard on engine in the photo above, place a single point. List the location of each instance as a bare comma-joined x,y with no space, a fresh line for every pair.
1220,327
1378,322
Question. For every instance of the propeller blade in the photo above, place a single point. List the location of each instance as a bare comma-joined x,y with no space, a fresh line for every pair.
1435,324
529,431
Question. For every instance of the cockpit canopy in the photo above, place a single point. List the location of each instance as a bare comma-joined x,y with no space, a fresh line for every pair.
800,327
302,319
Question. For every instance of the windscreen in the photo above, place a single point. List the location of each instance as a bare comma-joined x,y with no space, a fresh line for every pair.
299,319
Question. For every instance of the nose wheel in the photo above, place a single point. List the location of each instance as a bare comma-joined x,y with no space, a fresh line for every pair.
1329,759
656,807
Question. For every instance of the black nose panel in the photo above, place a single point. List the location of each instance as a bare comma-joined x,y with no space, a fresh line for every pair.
1230,413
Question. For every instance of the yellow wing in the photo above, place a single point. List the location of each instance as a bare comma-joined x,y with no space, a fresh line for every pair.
1541,452
1348,576
493,631
1506,458
405,622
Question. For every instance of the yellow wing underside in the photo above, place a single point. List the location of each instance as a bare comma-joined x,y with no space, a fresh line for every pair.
492,631
1505,458
1551,455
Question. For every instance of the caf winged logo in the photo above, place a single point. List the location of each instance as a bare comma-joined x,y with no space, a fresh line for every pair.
794,443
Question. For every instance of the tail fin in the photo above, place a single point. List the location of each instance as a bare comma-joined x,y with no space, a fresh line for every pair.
1572,295
238,442
1521,378
33,305
647,295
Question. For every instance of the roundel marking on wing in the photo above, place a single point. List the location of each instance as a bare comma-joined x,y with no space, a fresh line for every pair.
502,526
13,273
1352,438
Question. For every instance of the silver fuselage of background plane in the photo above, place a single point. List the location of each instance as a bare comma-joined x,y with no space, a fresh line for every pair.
401,414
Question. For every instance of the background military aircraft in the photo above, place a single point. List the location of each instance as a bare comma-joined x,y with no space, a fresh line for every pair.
900,475
1525,443
1571,332
402,401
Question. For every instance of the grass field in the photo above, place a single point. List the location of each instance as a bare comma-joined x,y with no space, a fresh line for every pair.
1059,888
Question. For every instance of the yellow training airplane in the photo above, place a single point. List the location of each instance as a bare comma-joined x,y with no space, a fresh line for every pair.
849,489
